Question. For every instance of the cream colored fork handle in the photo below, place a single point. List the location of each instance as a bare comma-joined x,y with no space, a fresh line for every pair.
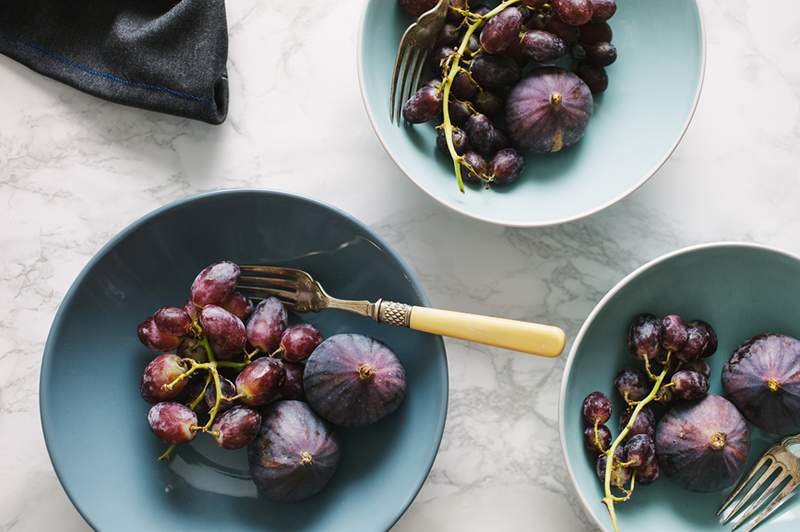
532,338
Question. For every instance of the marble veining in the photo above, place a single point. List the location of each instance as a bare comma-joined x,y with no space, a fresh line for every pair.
74,170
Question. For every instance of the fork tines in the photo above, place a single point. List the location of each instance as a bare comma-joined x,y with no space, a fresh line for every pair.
410,59
777,492
269,281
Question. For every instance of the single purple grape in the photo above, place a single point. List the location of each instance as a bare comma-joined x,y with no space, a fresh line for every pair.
644,337
595,77
463,87
596,409
293,383
649,472
459,112
299,341
238,305
700,366
460,141
494,71
155,339
711,346
477,168
697,342
603,10
595,32
620,476
573,12
481,133
236,428
501,30
260,382
542,46
604,436
645,423
215,283
226,333
674,333
173,320
506,166
639,449
632,383
172,422
266,325
161,371
423,106
228,390
600,53
689,385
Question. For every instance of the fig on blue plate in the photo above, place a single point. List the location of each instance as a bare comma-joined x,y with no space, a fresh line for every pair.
548,110
703,445
294,454
762,378
353,380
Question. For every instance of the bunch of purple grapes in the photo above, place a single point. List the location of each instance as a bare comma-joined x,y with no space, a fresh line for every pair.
669,347
221,359
526,34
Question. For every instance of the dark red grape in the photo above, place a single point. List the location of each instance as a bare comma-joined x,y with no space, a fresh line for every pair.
463,87
225,332
266,325
459,112
161,371
700,366
423,106
596,409
488,103
644,337
632,383
542,46
173,320
238,305
589,440
236,428
596,32
228,390
578,53
711,346
494,71
639,450
689,385
506,166
460,141
155,339
595,77
192,348
215,283
501,30
299,341
620,476
293,383
603,10
567,33
260,382
481,133
477,167
601,53
415,8
649,472
645,423
573,12
674,333
449,36
172,422
696,345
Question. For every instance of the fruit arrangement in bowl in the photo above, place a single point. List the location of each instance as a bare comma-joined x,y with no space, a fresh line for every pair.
498,91
95,420
663,416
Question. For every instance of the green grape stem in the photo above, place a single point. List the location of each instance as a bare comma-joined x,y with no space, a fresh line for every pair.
609,498
454,69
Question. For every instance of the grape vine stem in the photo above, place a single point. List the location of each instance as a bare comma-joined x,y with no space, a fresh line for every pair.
454,68
609,498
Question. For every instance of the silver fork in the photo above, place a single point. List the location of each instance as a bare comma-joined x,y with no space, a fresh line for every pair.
301,293
782,463
416,44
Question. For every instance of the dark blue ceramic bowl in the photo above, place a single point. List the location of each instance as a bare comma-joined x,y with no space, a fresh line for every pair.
94,420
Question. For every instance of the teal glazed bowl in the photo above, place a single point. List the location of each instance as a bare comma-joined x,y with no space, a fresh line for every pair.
94,419
654,88
741,290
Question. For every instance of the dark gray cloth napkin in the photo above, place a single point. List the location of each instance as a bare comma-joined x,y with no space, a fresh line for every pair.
164,55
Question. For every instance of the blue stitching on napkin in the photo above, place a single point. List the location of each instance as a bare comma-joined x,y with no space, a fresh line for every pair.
108,75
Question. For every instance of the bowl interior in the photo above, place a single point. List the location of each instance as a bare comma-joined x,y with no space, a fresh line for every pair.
95,421
636,125
742,291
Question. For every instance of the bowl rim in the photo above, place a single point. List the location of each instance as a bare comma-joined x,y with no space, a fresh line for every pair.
45,371
547,223
590,319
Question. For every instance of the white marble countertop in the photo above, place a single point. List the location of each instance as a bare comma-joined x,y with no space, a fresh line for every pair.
74,170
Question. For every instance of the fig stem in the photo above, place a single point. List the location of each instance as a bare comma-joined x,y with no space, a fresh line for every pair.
455,68
773,385
718,440
556,99
365,371
609,499
306,458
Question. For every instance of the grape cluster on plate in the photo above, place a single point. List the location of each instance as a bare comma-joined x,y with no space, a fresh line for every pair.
241,374
671,372
495,89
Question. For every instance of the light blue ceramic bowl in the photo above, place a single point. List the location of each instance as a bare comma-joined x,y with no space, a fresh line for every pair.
637,124
94,420
742,290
